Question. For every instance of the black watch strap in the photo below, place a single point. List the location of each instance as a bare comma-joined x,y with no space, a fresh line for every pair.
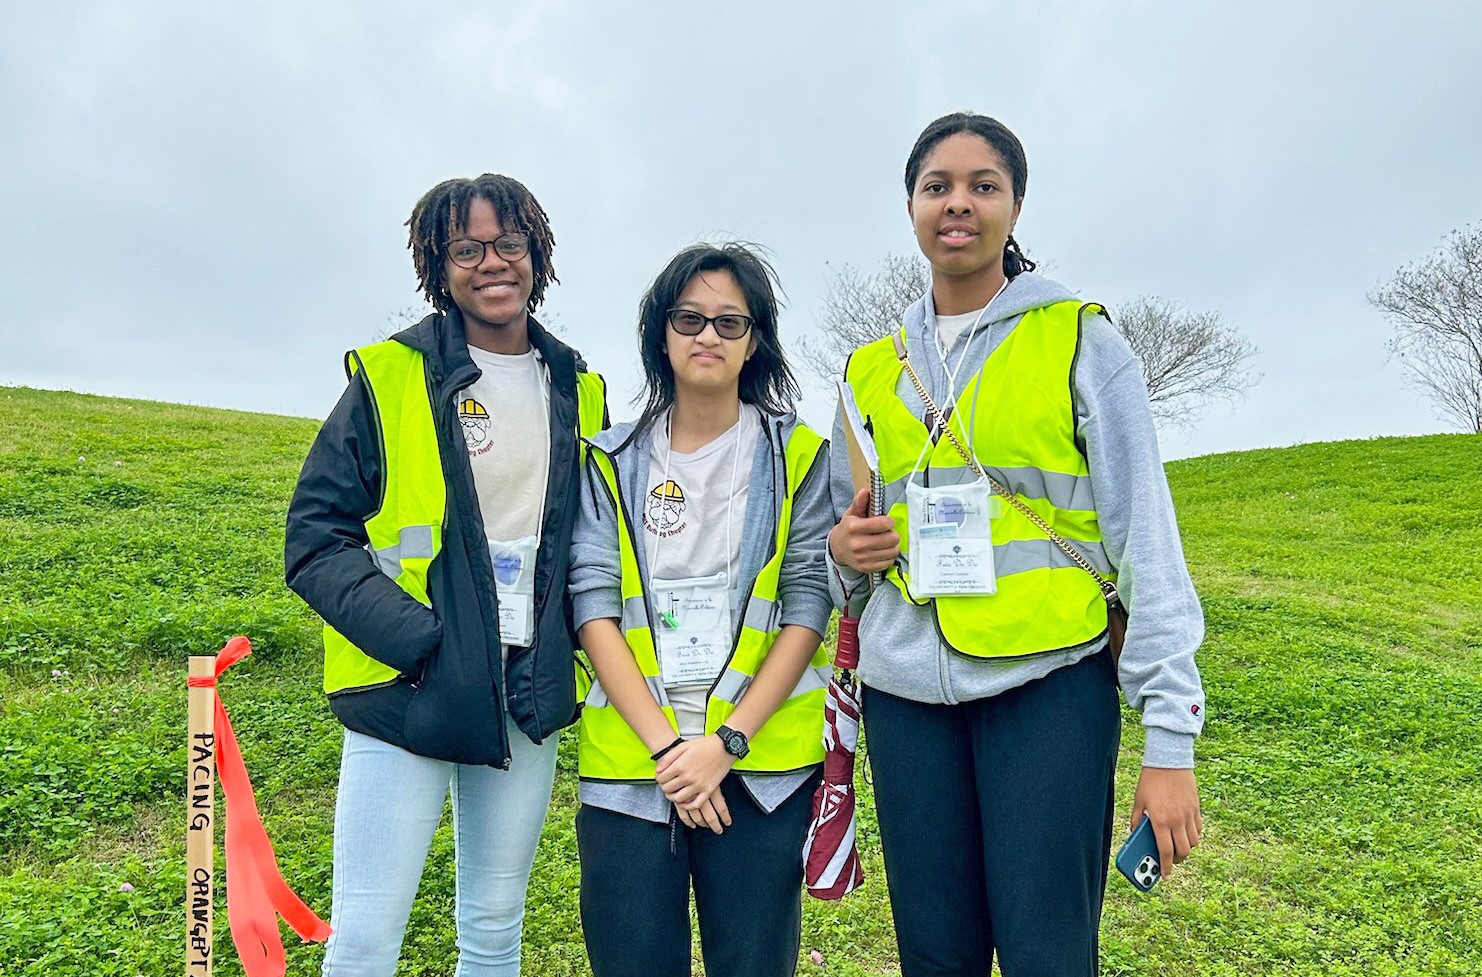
736,743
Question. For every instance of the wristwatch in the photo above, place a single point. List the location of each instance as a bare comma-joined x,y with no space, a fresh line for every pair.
735,742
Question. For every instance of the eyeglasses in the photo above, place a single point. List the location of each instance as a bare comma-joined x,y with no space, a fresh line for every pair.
689,323
465,252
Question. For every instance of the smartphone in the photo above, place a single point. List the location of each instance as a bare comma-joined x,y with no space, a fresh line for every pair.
1138,859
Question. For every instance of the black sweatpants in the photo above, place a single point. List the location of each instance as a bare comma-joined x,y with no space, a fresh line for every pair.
996,819
635,889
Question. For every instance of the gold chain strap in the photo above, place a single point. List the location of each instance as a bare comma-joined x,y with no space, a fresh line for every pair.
1108,589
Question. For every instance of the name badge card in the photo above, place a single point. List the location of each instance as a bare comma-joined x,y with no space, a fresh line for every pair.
514,582
693,617
951,540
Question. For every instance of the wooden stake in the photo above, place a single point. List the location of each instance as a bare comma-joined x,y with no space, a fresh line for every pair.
200,820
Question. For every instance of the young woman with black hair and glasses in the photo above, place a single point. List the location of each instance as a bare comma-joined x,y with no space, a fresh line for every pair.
699,590
990,688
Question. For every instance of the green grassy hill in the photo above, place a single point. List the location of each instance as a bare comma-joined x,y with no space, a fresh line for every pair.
1341,768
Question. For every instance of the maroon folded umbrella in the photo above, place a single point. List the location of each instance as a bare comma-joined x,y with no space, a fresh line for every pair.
831,866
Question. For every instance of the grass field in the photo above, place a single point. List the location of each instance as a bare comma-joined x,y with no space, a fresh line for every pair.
1341,767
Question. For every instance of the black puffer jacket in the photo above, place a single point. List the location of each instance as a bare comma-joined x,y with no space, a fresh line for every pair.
452,696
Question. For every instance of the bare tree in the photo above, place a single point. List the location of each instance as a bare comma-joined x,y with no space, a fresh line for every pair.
860,308
1188,358
401,319
413,314
1435,306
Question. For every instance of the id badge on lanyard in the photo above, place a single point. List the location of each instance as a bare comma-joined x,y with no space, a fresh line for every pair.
693,618
514,578
950,533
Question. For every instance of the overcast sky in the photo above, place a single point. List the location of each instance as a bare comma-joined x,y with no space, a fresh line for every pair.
204,202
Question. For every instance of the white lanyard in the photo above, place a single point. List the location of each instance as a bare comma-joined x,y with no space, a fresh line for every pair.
514,560
936,345
695,640
950,535
653,557
941,351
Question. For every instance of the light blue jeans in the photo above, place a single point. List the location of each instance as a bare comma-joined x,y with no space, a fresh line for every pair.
389,805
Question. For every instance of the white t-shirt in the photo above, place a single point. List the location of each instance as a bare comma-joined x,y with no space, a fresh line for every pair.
506,427
687,523
949,327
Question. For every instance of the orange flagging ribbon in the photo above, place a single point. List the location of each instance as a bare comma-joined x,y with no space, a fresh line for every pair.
256,894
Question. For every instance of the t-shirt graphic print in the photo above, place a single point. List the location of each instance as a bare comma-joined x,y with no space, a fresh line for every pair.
510,462
476,426
663,515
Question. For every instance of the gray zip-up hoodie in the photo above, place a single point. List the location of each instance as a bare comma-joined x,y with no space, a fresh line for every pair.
900,649
595,580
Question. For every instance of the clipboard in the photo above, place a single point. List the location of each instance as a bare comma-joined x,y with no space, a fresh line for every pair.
864,458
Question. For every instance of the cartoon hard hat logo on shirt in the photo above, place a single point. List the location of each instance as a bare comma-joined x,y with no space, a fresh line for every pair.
665,508
475,421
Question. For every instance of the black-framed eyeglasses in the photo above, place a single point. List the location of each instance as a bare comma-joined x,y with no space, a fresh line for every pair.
465,252
688,322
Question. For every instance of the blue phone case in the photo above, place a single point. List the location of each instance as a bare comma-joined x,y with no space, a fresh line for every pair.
1138,859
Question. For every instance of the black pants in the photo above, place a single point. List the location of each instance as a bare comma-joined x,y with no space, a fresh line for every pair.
995,819
635,890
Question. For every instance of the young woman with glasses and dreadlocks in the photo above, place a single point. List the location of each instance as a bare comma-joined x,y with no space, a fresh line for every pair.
431,530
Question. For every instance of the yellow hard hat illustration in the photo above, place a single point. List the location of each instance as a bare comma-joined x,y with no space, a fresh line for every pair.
669,490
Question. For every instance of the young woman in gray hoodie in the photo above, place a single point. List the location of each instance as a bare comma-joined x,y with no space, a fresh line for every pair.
991,706
699,589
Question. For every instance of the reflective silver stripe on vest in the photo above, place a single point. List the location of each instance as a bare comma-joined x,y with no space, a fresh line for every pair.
732,686
388,561
1019,555
1033,554
895,492
761,614
1059,489
734,683
597,699
635,613
415,542
813,679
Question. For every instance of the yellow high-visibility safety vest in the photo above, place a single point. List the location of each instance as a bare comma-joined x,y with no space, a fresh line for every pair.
406,533
1021,415
792,738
